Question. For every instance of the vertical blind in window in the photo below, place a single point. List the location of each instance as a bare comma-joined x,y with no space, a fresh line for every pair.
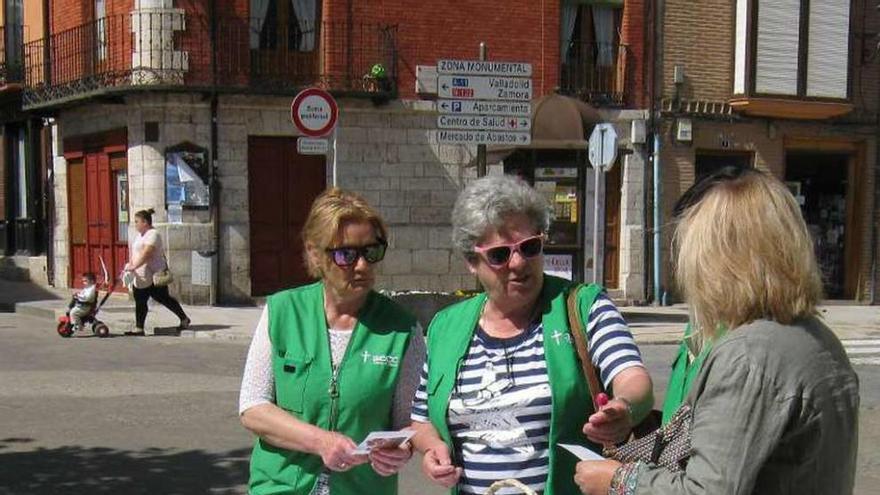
776,63
828,54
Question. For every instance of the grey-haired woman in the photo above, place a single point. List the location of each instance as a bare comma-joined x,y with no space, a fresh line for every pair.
502,384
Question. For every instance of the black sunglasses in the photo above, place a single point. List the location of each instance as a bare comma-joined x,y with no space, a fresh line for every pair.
345,256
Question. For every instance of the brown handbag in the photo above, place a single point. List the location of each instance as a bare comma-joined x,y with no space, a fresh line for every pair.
668,446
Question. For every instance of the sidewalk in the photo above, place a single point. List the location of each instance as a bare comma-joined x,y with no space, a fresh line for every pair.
649,324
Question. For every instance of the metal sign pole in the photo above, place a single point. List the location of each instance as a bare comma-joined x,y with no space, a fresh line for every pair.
597,173
334,156
481,148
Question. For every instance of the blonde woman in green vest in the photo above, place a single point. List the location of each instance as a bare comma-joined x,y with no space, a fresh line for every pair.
502,385
329,363
775,400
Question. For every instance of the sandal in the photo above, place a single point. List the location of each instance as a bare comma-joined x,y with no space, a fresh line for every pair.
135,334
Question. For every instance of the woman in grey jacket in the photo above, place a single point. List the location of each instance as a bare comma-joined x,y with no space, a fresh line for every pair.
776,402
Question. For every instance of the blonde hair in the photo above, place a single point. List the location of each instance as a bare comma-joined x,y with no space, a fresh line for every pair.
331,210
743,252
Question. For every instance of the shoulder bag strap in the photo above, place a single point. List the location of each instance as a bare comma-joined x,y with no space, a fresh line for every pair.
579,334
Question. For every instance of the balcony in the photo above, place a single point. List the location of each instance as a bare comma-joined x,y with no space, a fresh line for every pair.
11,67
594,72
174,51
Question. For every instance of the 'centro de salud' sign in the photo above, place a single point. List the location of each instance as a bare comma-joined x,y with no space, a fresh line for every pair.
314,112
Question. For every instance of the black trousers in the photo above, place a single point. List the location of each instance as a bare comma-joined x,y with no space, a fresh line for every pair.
159,294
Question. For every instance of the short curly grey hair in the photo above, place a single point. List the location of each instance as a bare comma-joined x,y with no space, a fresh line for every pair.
486,203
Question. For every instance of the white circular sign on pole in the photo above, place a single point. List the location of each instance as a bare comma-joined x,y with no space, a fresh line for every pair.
314,112
603,146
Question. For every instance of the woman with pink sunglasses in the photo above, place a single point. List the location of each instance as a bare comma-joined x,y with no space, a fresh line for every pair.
502,384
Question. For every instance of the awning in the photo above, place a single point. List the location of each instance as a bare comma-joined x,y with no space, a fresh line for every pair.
558,122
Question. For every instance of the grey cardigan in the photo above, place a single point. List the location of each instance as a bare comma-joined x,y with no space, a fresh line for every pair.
775,412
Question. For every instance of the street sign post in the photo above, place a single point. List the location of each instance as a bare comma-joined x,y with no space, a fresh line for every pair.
603,146
602,153
484,102
314,112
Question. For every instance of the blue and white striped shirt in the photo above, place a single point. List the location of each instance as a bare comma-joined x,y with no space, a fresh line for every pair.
499,412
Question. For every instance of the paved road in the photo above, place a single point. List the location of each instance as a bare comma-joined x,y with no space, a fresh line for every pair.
158,415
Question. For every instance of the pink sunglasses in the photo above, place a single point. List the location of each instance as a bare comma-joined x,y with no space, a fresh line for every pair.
499,254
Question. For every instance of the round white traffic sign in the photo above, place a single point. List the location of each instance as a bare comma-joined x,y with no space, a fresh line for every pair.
314,112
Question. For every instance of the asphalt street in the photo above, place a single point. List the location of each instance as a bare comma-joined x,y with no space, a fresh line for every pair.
158,415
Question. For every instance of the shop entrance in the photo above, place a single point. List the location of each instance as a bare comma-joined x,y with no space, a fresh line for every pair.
562,177
820,183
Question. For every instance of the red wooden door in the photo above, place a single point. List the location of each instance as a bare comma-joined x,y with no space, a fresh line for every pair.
282,185
94,231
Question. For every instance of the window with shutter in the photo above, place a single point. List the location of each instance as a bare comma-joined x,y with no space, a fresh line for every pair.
828,52
742,36
776,57
791,58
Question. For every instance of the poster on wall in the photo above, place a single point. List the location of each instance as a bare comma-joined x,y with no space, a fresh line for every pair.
186,177
559,265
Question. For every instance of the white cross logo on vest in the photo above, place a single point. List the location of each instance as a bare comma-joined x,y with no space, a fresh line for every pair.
379,360
557,335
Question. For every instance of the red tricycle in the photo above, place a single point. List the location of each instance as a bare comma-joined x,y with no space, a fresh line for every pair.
99,328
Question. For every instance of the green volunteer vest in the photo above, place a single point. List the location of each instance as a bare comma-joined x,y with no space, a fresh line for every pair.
362,403
685,369
449,338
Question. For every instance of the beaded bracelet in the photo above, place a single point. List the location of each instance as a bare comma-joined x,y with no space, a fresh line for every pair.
624,480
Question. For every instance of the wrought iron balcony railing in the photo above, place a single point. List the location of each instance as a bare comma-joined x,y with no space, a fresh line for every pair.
176,51
594,72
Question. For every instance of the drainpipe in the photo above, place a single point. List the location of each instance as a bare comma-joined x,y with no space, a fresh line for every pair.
214,183
49,199
656,160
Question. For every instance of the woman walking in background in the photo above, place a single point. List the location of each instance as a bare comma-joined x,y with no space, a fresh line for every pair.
146,259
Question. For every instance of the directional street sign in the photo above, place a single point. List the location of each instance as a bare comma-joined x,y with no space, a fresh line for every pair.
484,102
484,88
484,137
484,122
477,107
484,68
603,146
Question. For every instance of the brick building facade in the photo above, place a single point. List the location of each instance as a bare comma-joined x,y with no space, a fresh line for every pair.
738,88
160,103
